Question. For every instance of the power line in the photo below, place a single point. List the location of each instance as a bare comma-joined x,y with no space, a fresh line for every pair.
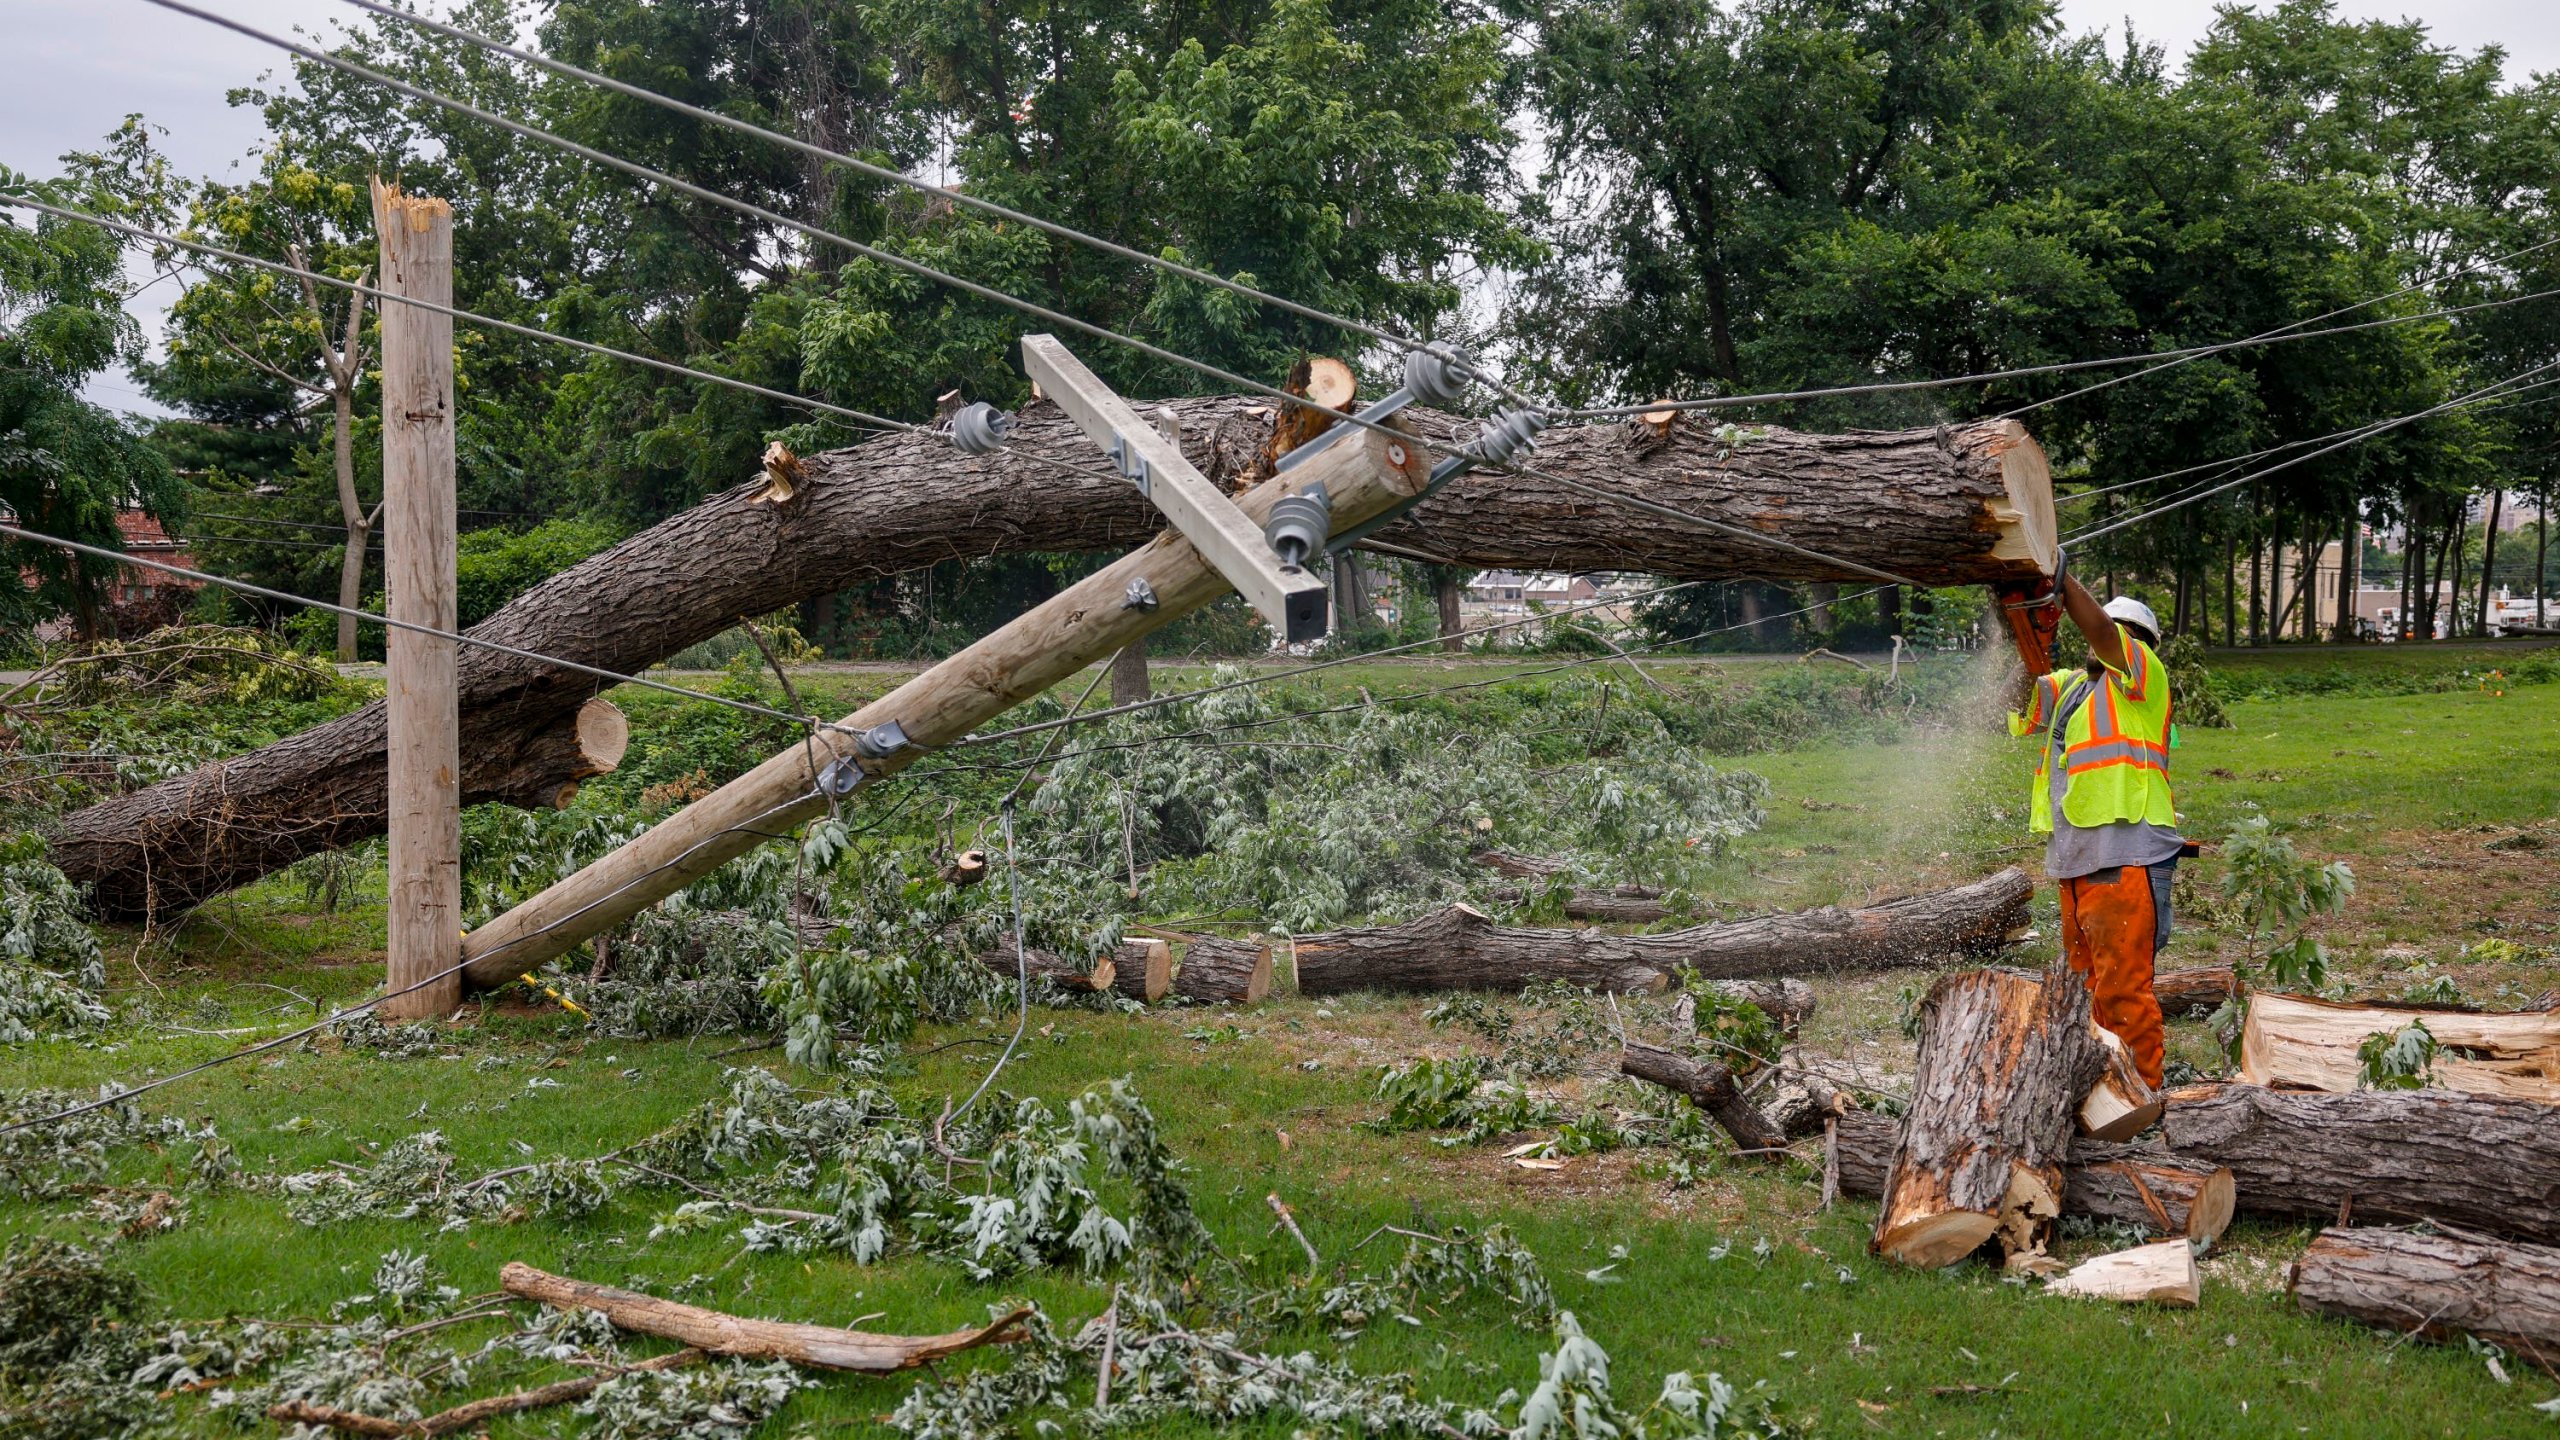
2296,325
2181,355
2512,384
897,177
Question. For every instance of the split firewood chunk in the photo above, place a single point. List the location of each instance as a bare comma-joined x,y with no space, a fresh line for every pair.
2306,1044
2163,1273
2122,1104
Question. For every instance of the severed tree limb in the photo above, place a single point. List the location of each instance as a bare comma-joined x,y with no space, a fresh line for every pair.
1710,1087
822,1346
471,1415
1967,504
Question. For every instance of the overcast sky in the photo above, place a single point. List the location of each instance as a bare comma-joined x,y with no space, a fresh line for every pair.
77,67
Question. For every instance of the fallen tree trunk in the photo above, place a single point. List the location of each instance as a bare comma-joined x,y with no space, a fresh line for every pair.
1710,1087
2004,1061
2199,991
2297,1041
1957,505
1083,977
2477,1161
2436,1287
1459,948
2129,1184
822,1346
1230,972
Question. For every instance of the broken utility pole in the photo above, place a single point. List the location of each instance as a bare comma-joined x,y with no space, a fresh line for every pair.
425,891
1363,474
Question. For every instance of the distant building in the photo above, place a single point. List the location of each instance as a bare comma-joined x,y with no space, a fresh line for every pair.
1530,587
139,599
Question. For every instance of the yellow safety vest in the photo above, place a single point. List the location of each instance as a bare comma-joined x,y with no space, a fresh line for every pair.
2114,749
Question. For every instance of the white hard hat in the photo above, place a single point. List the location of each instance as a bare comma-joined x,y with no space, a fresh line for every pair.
2134,612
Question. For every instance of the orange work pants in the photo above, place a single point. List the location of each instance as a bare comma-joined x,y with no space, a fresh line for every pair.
2109,934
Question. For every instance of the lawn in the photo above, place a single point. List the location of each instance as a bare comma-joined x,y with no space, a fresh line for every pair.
1739,1272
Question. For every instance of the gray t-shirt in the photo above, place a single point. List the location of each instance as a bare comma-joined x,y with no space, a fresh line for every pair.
2073,850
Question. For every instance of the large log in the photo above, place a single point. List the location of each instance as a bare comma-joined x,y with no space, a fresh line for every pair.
822,1346
1228,972
1710,1087
1144,969
2197,991
1956,505
2132,1185
1044,967
2004,1061
1459,948
2477,1161
2300,1042
2436,1287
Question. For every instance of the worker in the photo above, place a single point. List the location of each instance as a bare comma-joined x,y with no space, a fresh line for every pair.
2102,790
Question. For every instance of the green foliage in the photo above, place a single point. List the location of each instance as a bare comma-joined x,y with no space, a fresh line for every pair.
2404,1059
1572,1401
492,567
52,976
2193,701
2278,893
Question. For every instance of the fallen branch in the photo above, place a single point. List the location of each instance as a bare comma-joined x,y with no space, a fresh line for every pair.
1710,1087
822,1346
2436,1287
476,1413
1461,949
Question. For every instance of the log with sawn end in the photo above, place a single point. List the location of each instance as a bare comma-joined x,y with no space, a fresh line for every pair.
2132,1185
1960,505
2200,990
1710,1086
2478,1161
1228,972
1460,948
2004,1061
1080,977
1145,969
2436,1287
2303,1042
823,1346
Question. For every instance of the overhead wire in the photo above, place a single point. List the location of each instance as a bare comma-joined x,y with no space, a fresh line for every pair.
893,176
966,286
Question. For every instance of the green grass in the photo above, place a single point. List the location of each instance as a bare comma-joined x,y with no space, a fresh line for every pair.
1882,817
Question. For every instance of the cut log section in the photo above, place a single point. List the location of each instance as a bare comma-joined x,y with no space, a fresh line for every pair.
1956,505
1710,1087
1230,972
1081,977
2198,991
2131,1185
545,774
822,1346
2163,1273
1461,949
2298,1042
1145,969
966,868
2436,1287
1803,1095
2122,1104
2477,1161
2004,1061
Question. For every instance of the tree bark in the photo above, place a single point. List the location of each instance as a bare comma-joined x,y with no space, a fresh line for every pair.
2436,1287
2004,1061
1231,972
1971,504
1458,948
2133,1185
1621,904
2489,555
1129,680
821,1346
1710,1087
1079,976
2302,1043
2197,991
1143,969
1453,620
2472,1160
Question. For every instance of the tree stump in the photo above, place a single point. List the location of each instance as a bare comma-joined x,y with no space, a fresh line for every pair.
1215,971
2436,1287
2132,1185
2004,1062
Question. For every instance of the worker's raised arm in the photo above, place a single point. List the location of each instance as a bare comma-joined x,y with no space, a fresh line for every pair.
2105,641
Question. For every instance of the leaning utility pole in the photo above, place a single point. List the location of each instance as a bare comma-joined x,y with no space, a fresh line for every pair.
425,893
1258,543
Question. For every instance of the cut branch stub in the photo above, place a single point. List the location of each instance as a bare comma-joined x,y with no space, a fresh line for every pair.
2004,1061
